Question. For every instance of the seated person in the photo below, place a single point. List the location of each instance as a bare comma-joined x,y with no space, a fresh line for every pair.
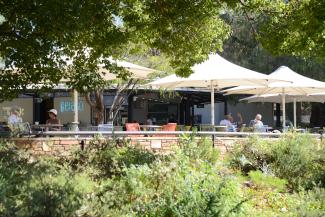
228,123
53,120
14,116
149,122
240,121
257,123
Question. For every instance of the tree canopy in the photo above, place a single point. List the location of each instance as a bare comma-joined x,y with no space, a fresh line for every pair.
297,29
45,41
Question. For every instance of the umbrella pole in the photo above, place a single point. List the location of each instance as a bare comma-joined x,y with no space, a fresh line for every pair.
283,111
212,104
75,110
294,113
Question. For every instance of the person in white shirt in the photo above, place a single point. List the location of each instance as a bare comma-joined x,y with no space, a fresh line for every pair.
257,123
228,123
14,116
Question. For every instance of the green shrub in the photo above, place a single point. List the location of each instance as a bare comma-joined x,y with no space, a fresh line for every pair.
297,158
312,203
255,154
198,148
112,178
179,186
107,158
40,188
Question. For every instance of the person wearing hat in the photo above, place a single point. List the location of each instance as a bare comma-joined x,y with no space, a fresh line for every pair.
53,120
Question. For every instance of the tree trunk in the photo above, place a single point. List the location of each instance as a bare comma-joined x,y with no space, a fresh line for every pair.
119,99
97,104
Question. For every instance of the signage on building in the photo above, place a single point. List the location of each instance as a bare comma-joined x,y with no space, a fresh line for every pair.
68,106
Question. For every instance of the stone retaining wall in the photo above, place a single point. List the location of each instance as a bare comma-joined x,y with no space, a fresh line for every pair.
64,146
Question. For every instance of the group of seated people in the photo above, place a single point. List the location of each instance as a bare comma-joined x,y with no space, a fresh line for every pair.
15,119
232,126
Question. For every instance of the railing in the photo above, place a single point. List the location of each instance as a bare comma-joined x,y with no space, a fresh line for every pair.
164,133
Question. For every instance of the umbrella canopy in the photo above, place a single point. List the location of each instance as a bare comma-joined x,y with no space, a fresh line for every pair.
298,85
276,98
137,71
215,73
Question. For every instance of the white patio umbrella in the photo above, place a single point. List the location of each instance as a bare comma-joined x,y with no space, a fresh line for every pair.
298,85
215,73
277,98
136,71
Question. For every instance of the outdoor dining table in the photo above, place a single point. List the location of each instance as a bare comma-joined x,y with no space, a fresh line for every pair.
43,127
151,127
269,129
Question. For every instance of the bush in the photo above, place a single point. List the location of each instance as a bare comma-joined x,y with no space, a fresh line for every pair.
108,158
297,158
41,188
255,154
198,148
112,178
312,203
178,186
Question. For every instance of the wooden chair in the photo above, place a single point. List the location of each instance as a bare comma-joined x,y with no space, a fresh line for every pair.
168,127
133,127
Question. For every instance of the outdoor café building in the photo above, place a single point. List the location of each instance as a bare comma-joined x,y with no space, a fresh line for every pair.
186,106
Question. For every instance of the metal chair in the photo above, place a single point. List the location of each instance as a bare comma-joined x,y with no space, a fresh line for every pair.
206,127
21,129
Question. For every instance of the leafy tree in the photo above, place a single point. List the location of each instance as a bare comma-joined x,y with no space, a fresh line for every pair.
47,41
298,29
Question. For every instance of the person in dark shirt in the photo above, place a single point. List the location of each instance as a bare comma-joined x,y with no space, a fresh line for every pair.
53,120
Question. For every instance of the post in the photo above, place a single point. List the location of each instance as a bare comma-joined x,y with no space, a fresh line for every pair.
294,113
75,111
283,111
278,115
212,104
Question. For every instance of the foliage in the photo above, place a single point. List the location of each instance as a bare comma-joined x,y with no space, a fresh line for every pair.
298,29
109,158
299,159
41,188
44,41
199,148
113,178
262,180
255,154
176,186
312,203
296,158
